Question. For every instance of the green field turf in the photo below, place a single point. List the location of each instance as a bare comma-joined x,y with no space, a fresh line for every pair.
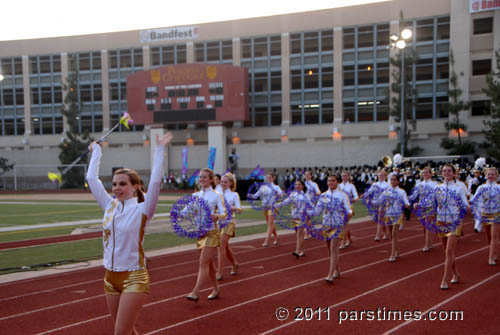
31,258
61,211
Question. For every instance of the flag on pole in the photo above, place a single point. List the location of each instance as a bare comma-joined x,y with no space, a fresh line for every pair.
255,172
211,157
184,160
193,177
125,120
53,176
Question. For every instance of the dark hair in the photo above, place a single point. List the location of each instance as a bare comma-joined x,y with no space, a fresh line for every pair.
337,178
134,179
303,184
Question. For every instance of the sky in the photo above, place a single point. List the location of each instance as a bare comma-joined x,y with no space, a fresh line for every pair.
25,19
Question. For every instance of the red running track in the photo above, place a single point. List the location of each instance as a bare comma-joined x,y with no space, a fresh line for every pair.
372,296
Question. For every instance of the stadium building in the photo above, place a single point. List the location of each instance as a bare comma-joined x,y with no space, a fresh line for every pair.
317,90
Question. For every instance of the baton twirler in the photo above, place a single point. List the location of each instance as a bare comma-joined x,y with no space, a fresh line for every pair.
125,120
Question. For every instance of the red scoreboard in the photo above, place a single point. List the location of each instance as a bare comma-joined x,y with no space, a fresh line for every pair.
188,93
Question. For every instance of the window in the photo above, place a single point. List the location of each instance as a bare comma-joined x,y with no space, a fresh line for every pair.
327,40
480,107
348,38
311,42
481,67
483,26
365,37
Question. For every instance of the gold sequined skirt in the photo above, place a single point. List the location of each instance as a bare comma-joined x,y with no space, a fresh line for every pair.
229,229
126,282
211,239
456,232
488,219
328,233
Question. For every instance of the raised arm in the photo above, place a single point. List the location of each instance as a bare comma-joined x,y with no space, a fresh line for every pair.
95,184
153,192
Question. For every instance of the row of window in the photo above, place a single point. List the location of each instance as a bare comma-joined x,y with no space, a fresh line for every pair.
365,63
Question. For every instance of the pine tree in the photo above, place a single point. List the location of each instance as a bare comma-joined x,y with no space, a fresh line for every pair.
76,142
410,97
492,125
455,105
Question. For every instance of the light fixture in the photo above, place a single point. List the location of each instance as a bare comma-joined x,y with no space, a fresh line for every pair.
105,144
25,141
310,72
392,133
369,68
401,44
1,77
455,133
406,33
284,136
189,141
336,135
235,139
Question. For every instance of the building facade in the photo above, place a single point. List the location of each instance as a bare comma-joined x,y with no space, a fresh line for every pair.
311,74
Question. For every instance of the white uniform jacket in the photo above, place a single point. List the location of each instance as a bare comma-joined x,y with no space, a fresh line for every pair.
333,204
350,190
124,222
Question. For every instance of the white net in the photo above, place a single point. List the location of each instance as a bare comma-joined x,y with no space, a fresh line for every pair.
35,176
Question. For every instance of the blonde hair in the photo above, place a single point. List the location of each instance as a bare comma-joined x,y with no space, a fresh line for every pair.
492,169
211,174
231,178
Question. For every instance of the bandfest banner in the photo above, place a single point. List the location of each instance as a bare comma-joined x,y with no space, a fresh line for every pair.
483,5
169,34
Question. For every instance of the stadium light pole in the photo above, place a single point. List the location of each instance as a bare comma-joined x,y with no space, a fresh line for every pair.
399,41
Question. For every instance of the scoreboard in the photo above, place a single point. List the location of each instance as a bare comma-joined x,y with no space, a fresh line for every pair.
188,93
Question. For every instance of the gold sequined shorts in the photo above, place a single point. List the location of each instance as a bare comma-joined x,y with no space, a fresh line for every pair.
211,239
126,282
229,229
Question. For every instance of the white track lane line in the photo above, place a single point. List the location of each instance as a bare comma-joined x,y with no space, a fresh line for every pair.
190,275
155,269
390,331
377,288
221,285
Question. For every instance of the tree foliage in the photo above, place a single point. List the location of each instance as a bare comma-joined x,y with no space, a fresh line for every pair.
76,141
5,166
456,105
409,99
492,124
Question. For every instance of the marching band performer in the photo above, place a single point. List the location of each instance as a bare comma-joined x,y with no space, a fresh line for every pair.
228,184
392,203
351,192
372,194
126,282
300,200
486,205
313,192
268,193
208,243
335,208
421,198
451,204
